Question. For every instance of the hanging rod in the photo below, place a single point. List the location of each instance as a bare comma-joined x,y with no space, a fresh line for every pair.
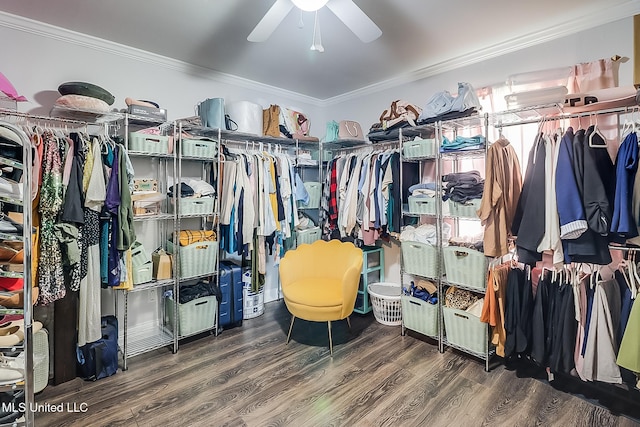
5,112
624,248
560,116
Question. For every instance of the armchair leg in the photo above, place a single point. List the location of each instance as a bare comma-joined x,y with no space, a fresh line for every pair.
349,323
290,329
330,340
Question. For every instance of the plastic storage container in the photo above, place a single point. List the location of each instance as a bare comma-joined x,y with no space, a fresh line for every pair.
194,205
465,266
420,148
253,301
309,235
465,330
196,259
315,191
465,210
422,205
386,303
198,148
420,259
195,316
420,316
148,143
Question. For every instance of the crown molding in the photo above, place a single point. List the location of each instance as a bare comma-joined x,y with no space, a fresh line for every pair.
42,29
602,17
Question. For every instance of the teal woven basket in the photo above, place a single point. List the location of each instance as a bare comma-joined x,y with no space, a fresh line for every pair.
465,266
465,330
420,259
196,259
420,316
195,316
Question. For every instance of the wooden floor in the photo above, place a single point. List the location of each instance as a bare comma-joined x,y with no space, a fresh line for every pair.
248,377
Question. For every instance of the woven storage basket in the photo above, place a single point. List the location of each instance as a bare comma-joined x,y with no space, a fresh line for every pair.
196,259
386,303
40,360
315,191
422,205
465,330
465,266
420,316
420,259
143,273
198,148
309,235
139,256
419,148
195,205
465,210
195,316
154,144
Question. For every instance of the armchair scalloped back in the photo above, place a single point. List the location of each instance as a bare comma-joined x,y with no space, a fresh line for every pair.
320,281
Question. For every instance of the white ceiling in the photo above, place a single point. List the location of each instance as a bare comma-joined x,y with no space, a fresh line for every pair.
417,35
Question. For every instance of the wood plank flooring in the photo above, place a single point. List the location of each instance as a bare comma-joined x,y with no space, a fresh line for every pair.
247,376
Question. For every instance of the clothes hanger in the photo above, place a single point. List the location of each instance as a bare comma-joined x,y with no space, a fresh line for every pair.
596,132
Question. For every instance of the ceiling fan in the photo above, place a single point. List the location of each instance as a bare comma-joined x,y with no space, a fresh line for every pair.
346,10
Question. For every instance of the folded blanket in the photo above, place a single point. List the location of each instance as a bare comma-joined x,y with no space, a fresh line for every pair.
188,237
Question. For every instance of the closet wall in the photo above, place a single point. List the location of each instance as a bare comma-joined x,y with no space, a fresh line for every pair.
40,57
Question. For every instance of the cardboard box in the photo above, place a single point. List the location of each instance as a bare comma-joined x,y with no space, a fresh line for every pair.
162,262
151,112
145,185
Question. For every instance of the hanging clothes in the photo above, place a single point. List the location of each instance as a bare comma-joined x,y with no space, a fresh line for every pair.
601,348
94,187
529,220
493,308
518,313
629,354
50,269
626,167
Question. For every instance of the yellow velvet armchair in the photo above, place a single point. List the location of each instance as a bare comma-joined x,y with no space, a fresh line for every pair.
320,282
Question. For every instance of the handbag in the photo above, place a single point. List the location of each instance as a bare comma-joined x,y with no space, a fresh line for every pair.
271,121
349,129
99,359
211,112
332,131
400,113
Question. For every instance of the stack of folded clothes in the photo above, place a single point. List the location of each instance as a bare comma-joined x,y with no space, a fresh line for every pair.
426,189
462,143
425,233
472,242
194,188
463,186
189,237
444,106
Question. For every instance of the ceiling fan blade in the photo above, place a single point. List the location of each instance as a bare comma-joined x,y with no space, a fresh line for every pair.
355,19
270,21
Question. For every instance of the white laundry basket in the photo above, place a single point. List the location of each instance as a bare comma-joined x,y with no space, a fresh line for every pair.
386,303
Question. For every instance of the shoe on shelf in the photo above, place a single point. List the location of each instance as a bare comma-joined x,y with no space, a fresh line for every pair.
16,299
10,188
11,369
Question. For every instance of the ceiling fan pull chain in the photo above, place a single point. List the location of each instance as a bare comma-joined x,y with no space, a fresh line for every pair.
317,38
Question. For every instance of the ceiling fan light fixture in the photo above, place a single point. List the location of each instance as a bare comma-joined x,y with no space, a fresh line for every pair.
309,5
